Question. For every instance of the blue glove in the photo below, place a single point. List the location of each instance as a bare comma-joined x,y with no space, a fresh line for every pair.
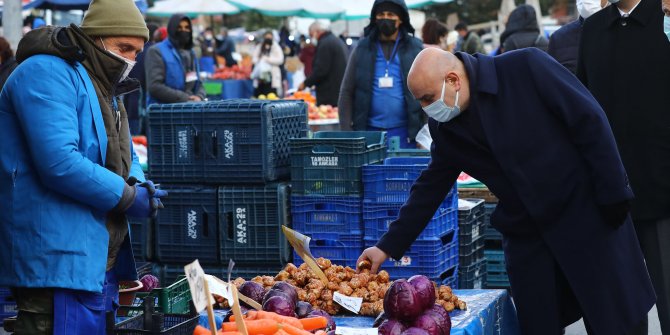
147,199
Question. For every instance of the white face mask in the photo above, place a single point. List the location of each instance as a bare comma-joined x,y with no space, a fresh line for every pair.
613,1
666,26
587,8
439,110
129,63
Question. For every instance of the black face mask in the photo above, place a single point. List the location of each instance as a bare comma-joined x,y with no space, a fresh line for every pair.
267,41
183,37
387,26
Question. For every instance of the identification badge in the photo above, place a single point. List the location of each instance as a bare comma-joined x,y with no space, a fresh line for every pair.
191,76
385,82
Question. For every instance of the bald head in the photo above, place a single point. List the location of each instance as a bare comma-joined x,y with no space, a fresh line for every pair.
431,68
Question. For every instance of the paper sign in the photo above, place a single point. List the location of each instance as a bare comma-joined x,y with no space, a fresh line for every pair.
196,282
350,303
355,331
300,244
221,288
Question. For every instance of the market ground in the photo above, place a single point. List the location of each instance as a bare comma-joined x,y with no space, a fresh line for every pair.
654,327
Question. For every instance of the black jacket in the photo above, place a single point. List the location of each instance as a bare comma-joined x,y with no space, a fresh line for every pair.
328,67
6,69
564,44
624,63
522,30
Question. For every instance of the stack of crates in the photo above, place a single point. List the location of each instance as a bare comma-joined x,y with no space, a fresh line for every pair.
496,276
226,167
326,176
472,264
7,305
435,252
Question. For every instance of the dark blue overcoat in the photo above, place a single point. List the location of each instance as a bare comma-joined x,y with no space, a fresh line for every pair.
553,143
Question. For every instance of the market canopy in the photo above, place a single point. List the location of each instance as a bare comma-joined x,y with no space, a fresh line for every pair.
192,7
321,9
360,9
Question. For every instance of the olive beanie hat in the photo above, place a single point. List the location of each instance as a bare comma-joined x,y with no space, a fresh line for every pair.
114,18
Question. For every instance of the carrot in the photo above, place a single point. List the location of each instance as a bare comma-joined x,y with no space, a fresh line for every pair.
281,332
314,323
251,315
279,318
294,330
254,327
200,330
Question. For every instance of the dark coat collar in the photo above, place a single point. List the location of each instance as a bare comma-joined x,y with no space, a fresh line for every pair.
642,13
481,72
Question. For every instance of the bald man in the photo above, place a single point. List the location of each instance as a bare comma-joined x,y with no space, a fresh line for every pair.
526,127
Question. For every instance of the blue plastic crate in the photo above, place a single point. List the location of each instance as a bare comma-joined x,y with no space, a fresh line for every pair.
490,232
391,182
472,252
330,162
450,278
343,252
429,257
378,217
496,272
7,304
327,217
473,276
229,141
251,218
187,228
140,238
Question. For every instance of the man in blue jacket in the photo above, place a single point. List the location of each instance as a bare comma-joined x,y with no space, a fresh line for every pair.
68,174
374,94
526,127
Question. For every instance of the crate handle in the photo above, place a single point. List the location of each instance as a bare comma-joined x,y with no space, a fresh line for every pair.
324,149
205,223
196,144
215,144
228,216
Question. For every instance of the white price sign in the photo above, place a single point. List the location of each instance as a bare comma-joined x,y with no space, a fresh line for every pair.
350,303
355,331
196,282
221,288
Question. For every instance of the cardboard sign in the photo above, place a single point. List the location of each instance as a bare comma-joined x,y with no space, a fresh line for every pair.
349,303
355,331
196,282
300,244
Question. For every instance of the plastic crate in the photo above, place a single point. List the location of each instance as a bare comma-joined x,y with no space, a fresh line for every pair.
251,218
7,304
149,322
377,218
330,162
343,252
228,141
473,276
186,229
471,253
139,238
429,257
496,272
473,212
450,278
490,232
327,217
394,149
392,181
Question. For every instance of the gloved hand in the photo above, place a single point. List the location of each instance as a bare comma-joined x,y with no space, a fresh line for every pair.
615,214
147,199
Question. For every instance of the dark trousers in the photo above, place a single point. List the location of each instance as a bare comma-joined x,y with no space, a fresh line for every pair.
654,237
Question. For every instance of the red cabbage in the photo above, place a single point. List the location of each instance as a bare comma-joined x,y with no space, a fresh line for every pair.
302,309
280,305
391,327
149,283
414,331
425,290
428,323
253,291
288,289
442,317
401,301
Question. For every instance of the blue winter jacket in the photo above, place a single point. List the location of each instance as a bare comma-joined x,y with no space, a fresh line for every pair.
54,187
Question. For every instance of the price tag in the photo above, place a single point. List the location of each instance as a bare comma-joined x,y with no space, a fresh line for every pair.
196,282
300,243
355,331
350,303
221,288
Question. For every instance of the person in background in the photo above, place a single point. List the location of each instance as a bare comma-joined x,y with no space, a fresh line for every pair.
570,252
374,94
172,69
69,177
472,43
434,34
136,101
307,51
564,42
330,61
522,31
623,46
207,45
225,48
270,53
452,41
7,61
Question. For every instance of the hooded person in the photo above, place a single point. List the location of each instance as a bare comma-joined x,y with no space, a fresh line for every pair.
564,42
374,94
172,69
69,177
522,30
